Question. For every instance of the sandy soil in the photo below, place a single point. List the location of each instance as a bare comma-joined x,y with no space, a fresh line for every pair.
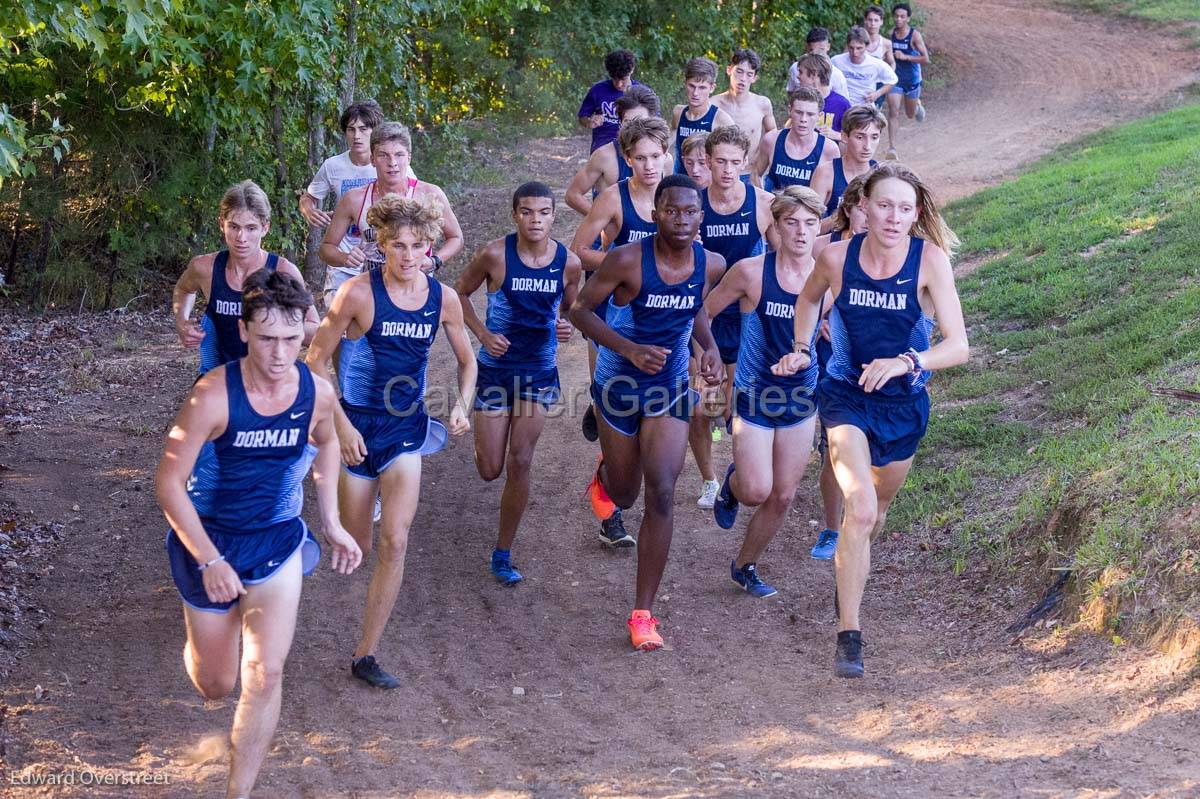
742,701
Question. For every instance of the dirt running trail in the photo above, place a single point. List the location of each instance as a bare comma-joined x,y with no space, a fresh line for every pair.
741,703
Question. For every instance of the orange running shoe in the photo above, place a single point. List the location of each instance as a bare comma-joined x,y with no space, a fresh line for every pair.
643,631
602,504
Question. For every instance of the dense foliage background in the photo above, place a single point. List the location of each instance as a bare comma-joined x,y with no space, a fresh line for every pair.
122,121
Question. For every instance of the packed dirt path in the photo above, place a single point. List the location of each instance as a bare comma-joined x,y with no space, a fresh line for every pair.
742,702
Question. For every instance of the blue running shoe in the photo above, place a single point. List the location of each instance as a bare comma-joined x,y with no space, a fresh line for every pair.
748,580
725,509
826,545
503,570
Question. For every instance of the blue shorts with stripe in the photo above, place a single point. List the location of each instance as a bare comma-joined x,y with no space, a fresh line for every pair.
894,426
623,404
499,388
256,557
389,436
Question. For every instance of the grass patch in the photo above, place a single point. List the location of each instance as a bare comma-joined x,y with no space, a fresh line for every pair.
1179,12
1095,302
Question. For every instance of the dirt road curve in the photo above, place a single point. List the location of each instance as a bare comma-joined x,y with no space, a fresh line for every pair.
741,703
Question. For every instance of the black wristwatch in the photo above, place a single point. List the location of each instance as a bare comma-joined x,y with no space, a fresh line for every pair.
437,262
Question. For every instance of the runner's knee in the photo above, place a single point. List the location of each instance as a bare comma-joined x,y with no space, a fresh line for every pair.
392,547
261,677
752,491
489,468
520,461
861,513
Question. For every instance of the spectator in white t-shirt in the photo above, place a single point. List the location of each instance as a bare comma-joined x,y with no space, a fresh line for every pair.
341,173
863,72
817,41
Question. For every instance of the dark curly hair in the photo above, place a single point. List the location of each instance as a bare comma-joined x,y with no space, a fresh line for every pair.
620,63
264,290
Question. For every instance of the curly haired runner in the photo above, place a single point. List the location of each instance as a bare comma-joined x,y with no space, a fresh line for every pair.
382,423
888,284
231,485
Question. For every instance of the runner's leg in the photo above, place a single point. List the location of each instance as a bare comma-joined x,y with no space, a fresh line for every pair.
788,454
356,506
528,420
211,652
400,485
268,623
663,446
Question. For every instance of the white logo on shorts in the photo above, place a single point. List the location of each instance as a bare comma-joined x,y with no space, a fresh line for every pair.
271,564
408,443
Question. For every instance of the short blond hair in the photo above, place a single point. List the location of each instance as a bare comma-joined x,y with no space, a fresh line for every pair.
793,198
392,212
694,142
730,134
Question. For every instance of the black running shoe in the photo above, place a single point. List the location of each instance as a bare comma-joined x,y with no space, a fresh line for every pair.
613,533
591,428
367,670
847,659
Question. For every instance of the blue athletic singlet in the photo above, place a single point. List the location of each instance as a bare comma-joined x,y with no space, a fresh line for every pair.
633,227
908,72
787,171
688,127
660,315
387,373
525,309
735,236
251,476
839,185
878,319
835,236
767,335
222,343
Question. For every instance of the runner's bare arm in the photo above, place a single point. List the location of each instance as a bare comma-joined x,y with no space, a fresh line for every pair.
581,185
310,209
203,417
346,555
487,263
352,306
722,119
572,277
468,370
197,276
808,309
711,368
339,225
729,289
452,235
918,42
937,278
604,210
762,156
621,269
768,120
311,318
766,219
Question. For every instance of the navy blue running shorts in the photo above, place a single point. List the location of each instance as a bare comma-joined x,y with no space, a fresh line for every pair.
894,426
387,437
256,557
624,405
498,388
774,407
728,334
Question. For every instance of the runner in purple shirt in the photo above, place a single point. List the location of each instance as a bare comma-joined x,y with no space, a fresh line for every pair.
598,113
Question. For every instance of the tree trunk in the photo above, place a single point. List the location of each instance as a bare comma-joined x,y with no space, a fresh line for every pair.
284,195
314,268
41,259
350,66
112,278
10,269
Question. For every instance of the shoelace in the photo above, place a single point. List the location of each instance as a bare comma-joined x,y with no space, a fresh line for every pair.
642,623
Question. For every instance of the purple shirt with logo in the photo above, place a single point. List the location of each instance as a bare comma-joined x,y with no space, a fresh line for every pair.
602,97
835,106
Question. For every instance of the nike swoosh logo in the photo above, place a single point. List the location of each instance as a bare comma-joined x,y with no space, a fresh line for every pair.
271,564
547,388
430,313
408,443
902,282
745,213
693,285
297,415
555,271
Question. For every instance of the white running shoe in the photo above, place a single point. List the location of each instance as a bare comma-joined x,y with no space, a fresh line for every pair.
920,115
708,497
378,509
